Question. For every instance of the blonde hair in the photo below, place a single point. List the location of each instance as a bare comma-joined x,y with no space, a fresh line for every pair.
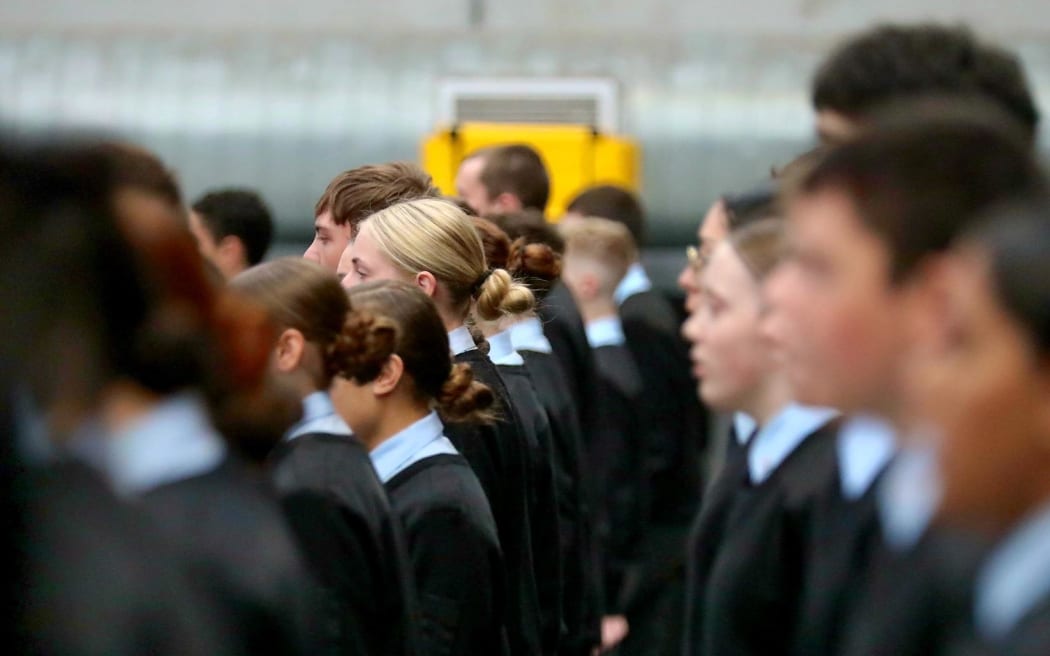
432,234
602,242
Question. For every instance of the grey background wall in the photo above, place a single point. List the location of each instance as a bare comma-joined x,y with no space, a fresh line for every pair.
283,94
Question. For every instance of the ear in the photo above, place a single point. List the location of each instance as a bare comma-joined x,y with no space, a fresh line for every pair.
507,203
291,346
231,249
387,380
427,282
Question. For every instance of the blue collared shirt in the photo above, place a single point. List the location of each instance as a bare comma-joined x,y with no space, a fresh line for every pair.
865,446
172,442
743,426
1015,578
607,331
779,438
908,496
501,350
635,281
319,416
423,439
527,335
460,341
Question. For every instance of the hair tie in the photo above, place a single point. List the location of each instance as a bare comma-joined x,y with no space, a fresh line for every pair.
479,282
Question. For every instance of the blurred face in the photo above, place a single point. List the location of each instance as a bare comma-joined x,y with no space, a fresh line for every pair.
368,262
357,405
205,240
838,322
470,188
729,354
713,229
329,242
982,386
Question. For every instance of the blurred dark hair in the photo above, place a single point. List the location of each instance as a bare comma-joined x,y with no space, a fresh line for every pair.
241,213
536,250
755,204
613,203
1016,239
924,170
894,62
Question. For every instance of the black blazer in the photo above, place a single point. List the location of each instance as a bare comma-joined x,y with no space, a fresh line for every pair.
454,551
94,579
499,455
543,501
340,514
750,597
616,460
914,602
679,431
228,532
564,329
846,533
582,591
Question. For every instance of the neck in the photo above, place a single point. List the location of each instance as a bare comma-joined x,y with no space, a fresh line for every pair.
596,309
772,396
124,403
399,414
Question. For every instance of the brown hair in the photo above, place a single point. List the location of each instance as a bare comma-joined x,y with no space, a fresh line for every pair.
132,168
536,250
602,240
760,246
518,170
396,318
355,194
303,295
614,203
494,241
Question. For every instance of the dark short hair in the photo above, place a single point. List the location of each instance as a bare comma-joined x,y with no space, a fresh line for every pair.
354,195
240,213
750,206
1016,238
893,62
518,170
613,203
924,170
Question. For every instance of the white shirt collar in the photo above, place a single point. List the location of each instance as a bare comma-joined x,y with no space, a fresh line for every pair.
423,439
908,496
779,438
319,416
607,331
635,281
865,445
1015,578
527,335
743,426
172,442
501,350
460,341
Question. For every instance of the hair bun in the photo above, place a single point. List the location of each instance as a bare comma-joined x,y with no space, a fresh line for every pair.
362,348
501,296
533,260
463,399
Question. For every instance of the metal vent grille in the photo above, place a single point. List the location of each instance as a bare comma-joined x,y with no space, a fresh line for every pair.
591,102
583,111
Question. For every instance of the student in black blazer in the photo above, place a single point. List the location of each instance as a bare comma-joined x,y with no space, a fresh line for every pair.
749,563
995,383
536,258
395,383
331,495
434,245
597,254
677,437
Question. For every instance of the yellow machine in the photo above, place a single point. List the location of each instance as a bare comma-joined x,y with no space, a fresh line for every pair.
576,156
